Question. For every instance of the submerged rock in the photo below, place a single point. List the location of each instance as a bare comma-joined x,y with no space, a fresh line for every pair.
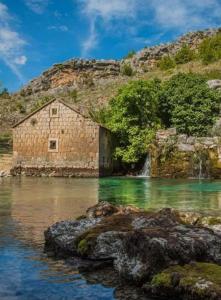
137,244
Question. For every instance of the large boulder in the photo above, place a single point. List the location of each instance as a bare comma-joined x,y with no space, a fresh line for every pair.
139,244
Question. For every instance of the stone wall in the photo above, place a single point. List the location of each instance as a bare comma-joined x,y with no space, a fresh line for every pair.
78,144
5,164
105,151
180,156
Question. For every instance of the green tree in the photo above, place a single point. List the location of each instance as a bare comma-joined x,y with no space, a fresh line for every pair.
166,63
132,117
210,49
184,55
187,103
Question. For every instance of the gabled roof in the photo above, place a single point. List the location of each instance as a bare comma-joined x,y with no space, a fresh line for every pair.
49,102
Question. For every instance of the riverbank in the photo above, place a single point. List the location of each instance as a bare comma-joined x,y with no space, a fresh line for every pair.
141,247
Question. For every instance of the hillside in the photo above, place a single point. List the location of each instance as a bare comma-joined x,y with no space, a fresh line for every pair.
89,84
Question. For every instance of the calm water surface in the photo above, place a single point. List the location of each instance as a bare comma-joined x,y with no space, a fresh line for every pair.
29,205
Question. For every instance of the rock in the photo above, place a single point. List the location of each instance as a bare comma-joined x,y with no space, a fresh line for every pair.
214,84
179,156
60,237
185,148
102,209
196,281
140,244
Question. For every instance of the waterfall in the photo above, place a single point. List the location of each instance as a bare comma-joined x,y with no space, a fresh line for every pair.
200,169
145,172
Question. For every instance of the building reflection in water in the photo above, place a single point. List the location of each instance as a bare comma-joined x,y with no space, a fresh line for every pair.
37,203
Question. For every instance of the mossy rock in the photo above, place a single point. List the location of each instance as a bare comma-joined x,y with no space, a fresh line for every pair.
86,242
195,281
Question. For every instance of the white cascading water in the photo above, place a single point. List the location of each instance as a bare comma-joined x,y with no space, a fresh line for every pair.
145,172
200,176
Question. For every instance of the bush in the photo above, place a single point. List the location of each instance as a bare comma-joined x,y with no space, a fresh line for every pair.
210,49
184,55
73,94
130,54
187,103
132,117
127,70
166,63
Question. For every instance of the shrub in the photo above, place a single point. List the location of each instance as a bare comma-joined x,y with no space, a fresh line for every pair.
127,70
210,49
41,101
187,103
132,117
184,55
74,95
166,63
130,54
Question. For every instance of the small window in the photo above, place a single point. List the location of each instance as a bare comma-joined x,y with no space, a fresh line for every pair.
53,145
54,112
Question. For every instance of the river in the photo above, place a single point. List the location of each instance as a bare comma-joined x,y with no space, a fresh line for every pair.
29,205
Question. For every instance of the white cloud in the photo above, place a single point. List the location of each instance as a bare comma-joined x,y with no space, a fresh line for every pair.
128,16
4,15
185,14
92,40
106,11
21,60
37,6
11,43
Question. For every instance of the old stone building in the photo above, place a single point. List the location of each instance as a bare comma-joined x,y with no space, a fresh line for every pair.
57,140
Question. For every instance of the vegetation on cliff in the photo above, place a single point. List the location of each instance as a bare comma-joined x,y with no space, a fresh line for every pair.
141,107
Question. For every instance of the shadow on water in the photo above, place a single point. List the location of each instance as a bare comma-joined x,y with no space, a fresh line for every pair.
29,205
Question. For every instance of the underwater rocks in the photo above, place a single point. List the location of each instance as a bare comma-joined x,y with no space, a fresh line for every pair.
139,245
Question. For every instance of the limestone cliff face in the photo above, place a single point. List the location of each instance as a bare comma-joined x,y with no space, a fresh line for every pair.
78,73
146,59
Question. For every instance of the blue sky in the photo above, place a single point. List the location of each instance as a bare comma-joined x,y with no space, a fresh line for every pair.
34,34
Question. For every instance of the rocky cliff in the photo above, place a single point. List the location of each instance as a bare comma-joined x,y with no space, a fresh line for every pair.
90,84
78,73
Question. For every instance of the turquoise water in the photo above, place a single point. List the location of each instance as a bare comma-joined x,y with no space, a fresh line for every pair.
29,205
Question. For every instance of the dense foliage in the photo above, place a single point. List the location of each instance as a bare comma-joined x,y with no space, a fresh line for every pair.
141,107
187,103
132,117
210,49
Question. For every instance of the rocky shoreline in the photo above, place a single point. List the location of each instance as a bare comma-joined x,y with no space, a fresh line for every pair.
154,254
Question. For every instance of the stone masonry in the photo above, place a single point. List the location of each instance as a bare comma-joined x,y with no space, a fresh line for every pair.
56,140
